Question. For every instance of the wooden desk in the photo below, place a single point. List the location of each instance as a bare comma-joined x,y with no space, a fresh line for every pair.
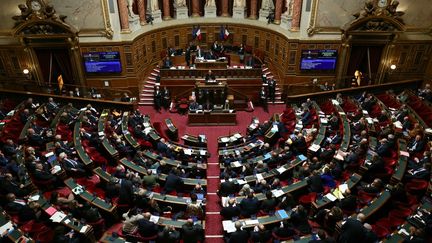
197,141
230,140
206,64
200,73
218,85
101,130
402,163
324,201
174,163
172,129
85,158
90,198
212,119
346,129
125,130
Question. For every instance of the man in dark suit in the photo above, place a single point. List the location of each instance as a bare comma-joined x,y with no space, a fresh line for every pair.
270,203
188,56
417,144
227,187
375,187
70,165
9,185
239,235
199,52
249,205
9,148
231,210
24,116
315,183
210,77
173,182
263,98
167,63
146,228
349,202
157,97
51,106
422,173
126,194
262,235
192,233
383,149
353,229
401,113
306,117
272,89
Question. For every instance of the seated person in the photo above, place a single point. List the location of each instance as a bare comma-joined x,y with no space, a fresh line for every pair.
210,55
230,211
417,144
167,63
210,77
194,106
249,205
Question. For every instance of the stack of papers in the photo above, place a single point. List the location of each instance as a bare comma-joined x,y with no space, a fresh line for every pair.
405,153
282,214
277,193
330,197
228,226
251,222
188,151
281,169
6,227
259,177
154,219
335,102
83,229
57,217
314,147
324,120
236,164
398,124
343,187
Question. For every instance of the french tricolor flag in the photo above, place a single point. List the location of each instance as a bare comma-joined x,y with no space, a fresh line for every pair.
226,34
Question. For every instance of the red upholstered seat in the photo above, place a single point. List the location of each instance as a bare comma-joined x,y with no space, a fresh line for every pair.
276,237
380,231
416,185
45,236
308,198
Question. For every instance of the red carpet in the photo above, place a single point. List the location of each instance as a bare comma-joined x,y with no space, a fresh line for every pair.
213,221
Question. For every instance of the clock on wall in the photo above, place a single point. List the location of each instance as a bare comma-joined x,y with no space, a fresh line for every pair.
383,3
35,5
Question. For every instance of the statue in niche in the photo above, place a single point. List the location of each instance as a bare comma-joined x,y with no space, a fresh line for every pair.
210,3
181,3
130,8
239,3
289,6
267,4
154,5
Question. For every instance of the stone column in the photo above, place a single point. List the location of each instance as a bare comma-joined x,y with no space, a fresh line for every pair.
225,12
253,9
239,9
278,11
195,8
142,12
296,15
287,16
166,10
124,15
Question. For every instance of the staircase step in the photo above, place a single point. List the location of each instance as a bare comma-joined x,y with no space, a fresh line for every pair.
150,82
145,103
152,78
156,70
146,95
147,91
149,86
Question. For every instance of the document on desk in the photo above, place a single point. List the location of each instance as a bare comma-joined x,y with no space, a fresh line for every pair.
188,151
203,152
83,229
34,197
6,227
224,140
236,164
343,187
251,222
58,216
281,169
229,226
259,177
330,197
314,147
277,192
241,182
154,219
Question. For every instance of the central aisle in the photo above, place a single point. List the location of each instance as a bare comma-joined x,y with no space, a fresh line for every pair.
213,220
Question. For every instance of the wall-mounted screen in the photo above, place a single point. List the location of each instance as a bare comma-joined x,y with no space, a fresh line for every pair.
319,60
102,62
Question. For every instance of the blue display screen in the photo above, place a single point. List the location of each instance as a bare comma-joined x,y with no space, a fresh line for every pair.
102,62
318,60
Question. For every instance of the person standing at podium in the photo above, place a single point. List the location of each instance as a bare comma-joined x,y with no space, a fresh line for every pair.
210,77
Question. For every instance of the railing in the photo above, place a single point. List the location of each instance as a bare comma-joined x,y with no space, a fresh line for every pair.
379,88
107,93
78,102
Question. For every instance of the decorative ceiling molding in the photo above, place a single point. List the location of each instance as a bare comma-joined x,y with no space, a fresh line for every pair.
40,19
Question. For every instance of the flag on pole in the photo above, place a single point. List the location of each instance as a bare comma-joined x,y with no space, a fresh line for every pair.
60,82
222,33
196,32
226,34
